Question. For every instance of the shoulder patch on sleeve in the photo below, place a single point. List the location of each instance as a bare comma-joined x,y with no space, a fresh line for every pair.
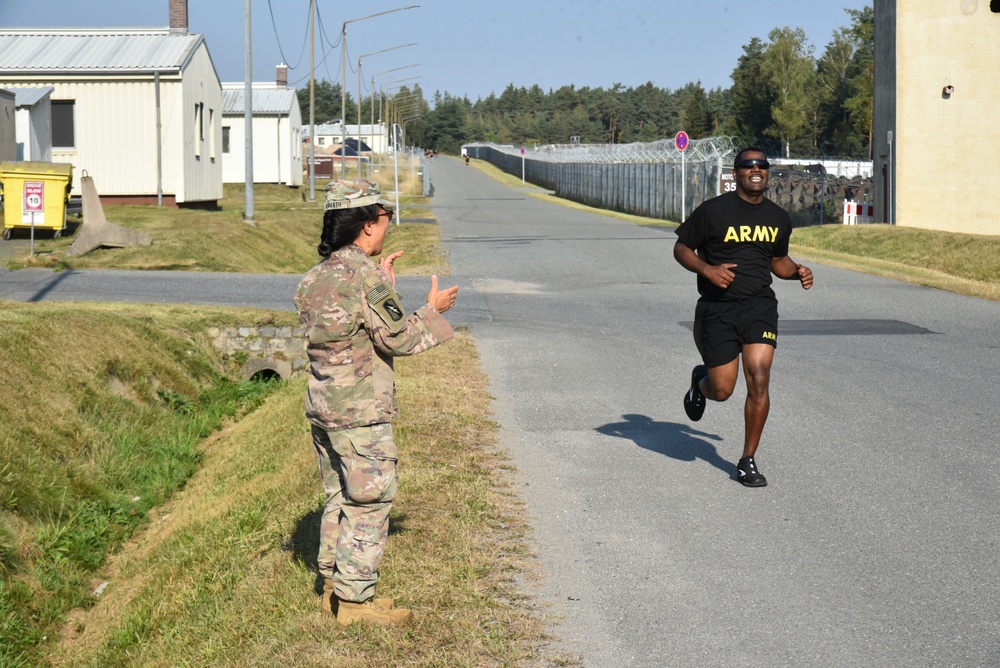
382,298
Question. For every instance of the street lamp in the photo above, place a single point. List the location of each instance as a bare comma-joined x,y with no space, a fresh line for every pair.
402,84
395,163
343,81
372,117
373,92
387,100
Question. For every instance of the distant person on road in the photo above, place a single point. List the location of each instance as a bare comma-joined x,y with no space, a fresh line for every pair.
734,242
355,324
466,159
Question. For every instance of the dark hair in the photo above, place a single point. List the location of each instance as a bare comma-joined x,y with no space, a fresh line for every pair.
341,227
748,149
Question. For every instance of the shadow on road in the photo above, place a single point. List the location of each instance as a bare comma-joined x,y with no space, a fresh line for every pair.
678,441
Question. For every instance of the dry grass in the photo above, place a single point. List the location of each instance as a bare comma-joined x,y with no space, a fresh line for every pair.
964,263
227,576
282,239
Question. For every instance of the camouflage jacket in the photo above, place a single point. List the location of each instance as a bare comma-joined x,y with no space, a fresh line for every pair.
353,321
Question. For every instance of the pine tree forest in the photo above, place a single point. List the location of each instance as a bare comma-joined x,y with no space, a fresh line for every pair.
782,98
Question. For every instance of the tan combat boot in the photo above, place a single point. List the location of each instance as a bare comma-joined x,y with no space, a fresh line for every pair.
328,598
349,612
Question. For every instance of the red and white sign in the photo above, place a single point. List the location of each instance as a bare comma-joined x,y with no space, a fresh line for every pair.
33,212
681,140
858,213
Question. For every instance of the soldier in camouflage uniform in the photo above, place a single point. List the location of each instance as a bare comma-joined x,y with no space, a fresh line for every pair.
355,324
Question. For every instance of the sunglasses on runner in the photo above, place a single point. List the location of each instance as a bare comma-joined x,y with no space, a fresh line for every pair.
753,162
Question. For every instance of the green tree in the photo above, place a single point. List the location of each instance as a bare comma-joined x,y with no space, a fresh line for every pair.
327,103
752,95
788,67
446,129
833,77
719,100
861,103
697,118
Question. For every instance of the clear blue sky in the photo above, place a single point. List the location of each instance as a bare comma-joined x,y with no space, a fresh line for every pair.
472,47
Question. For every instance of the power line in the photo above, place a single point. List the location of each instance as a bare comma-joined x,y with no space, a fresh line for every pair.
323,61
274,27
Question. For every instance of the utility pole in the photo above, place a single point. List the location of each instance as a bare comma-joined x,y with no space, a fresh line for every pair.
312,100
248,122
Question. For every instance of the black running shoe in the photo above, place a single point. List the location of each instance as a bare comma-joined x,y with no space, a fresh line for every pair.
746,471
694,400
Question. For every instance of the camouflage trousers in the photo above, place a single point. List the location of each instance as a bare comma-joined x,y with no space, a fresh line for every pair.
358,468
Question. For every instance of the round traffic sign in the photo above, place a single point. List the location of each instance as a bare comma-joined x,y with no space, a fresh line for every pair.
681,140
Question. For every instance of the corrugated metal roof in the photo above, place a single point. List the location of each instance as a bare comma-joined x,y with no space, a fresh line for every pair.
94,51
29,97
264,100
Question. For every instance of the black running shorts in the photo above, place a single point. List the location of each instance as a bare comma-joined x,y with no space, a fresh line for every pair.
722,328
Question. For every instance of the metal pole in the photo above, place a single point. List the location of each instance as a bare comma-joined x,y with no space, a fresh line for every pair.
683,183
312,100
360,175
248,120
395,169
343,100
822,194
892,207
159,143
371,122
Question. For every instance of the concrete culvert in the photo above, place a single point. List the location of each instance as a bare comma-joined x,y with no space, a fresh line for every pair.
266,369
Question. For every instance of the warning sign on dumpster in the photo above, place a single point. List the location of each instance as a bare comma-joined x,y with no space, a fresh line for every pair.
33,212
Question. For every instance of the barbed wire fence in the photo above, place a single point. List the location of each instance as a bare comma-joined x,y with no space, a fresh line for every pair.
655,180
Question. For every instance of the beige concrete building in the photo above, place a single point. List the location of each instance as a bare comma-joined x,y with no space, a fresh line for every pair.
937,93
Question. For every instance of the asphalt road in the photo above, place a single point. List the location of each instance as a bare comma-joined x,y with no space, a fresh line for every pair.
877,541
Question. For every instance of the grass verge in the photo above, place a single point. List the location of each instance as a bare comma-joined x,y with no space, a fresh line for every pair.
102,413
227,576
282,240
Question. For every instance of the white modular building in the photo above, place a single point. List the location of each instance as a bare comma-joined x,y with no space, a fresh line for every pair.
8,134
140,110
330,134
33,123
277,133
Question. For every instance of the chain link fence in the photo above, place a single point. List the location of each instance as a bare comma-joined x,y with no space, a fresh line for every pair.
657,180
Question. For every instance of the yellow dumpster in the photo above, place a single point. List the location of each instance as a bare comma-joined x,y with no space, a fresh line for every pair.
35,194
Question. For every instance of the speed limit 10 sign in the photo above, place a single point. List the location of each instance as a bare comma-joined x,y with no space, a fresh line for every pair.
34,196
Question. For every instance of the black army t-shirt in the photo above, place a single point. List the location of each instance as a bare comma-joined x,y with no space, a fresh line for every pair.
728,229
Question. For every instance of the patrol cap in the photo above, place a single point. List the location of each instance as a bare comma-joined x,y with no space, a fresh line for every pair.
341,194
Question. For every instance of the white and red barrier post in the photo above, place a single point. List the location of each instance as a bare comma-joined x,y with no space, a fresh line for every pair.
858,213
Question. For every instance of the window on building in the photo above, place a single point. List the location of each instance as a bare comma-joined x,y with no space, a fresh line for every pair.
321,140
63,133
199,127
225,139
211,134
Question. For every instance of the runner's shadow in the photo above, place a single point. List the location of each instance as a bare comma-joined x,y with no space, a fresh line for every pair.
678,441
